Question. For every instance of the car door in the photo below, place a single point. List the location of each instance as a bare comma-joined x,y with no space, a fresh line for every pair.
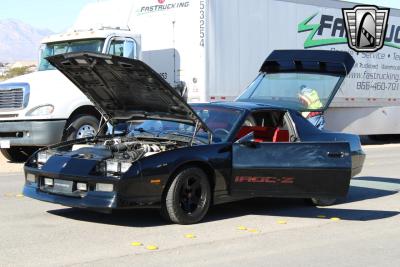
301,169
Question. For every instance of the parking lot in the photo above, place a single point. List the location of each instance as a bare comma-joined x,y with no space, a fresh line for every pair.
363,229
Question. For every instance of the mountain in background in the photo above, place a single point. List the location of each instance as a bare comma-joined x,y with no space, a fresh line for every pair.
19,41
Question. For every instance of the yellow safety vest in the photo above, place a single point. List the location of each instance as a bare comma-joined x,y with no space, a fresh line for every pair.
313,100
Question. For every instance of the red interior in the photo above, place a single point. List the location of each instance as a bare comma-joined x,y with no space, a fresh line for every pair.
281,135
264,134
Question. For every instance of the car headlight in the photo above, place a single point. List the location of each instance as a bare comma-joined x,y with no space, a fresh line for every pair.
41,110
114,166
43,156
30,178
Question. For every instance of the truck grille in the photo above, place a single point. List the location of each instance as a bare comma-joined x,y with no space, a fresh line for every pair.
11,99
13,96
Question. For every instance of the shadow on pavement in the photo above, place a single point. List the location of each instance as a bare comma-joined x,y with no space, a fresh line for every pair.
380,139
132,218
378,179
278,207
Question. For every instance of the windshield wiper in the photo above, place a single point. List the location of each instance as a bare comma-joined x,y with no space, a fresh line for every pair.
189,135
142,130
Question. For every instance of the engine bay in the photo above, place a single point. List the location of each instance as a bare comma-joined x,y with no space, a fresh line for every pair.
124,148
115,155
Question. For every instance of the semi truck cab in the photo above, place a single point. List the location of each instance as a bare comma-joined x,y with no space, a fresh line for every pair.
44,107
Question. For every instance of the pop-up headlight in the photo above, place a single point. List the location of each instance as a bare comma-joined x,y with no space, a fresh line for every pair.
43,156
113,167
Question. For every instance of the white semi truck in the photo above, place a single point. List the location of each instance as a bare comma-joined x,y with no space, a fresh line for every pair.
210,50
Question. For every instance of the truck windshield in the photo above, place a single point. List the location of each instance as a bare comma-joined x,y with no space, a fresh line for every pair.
51,49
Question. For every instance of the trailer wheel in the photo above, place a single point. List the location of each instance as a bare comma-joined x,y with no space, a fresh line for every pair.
18,154
81,126
188,198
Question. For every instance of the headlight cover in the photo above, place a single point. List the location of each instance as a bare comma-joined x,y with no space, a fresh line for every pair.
113,167
43,156
41,110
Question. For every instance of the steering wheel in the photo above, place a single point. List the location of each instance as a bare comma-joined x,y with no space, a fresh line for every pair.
224,131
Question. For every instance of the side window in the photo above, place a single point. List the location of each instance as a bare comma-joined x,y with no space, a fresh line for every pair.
266,126
123,48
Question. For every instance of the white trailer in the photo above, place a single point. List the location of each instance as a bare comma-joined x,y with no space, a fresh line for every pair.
210,49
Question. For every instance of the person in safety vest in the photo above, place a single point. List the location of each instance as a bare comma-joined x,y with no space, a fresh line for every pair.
310,99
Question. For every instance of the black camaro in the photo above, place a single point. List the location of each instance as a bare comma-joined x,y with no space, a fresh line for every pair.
184,158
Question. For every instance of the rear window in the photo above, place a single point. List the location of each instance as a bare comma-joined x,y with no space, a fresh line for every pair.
299,91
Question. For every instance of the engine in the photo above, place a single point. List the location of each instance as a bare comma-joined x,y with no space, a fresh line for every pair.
134,150
124,149
115,156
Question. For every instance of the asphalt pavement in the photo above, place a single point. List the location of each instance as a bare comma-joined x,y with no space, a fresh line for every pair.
361,230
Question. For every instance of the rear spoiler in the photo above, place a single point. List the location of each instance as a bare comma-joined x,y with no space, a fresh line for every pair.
314,61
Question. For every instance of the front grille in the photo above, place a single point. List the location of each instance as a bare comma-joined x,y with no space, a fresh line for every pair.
12,98
6,116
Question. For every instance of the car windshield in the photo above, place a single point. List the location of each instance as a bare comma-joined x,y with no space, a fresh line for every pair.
299,91
51,49
219,119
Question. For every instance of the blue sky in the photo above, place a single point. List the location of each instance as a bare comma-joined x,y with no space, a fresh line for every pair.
55,15
62,13
386,3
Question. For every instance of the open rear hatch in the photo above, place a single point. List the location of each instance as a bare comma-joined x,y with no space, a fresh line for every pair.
304,80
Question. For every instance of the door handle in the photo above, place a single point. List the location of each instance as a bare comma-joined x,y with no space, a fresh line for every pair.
335,154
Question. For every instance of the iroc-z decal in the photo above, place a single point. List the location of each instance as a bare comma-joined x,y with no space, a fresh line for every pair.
265,179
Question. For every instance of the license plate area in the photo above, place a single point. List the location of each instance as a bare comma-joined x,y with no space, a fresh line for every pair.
63,186
60,187
5,144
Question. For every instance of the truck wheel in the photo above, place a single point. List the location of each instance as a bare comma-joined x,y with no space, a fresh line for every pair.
18,154
322,202
81,127
188,198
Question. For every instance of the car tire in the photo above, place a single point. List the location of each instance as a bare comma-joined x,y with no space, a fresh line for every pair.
188,198
18,154
323,202
80,127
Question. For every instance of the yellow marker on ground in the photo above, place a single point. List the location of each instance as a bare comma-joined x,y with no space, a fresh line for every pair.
136,244
152,247
282,222
335,219
190,236
321,216
253,231
241,228
19,195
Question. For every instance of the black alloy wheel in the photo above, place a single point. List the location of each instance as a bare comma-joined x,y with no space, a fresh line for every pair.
188,198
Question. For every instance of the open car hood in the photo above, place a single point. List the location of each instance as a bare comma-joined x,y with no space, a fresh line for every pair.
124,89
304,80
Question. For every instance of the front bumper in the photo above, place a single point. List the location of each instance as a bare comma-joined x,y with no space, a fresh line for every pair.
127,193
32,133
97,201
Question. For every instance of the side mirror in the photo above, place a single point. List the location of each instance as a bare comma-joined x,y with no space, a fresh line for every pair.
247,140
